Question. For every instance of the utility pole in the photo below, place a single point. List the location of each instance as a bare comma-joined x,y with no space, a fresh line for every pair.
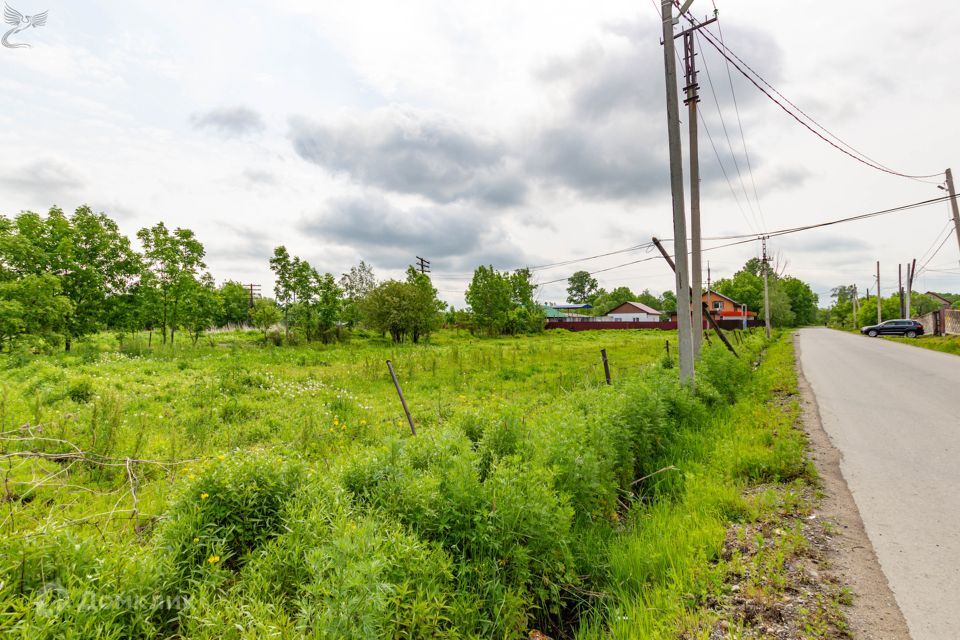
953,204
696,275
254,291
766,289
879,314
911,269
856,305
900,289
684,335
424,265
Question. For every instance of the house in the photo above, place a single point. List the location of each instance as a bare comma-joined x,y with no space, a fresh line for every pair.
634,312
723,307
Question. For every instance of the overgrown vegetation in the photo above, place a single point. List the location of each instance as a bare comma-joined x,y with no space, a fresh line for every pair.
946,344
241,491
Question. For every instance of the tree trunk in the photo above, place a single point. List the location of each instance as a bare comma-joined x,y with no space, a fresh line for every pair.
66,342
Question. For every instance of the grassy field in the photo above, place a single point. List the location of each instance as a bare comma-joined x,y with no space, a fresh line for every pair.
947,344
236,490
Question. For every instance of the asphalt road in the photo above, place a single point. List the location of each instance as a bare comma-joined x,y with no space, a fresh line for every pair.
893,412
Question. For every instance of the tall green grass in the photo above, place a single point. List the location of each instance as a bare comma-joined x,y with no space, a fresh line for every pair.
516,507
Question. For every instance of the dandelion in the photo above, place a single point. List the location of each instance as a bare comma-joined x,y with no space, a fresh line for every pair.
222,457
204,496
213,559
196,540
363,422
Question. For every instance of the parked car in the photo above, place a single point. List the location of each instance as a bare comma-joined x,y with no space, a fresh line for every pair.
909,328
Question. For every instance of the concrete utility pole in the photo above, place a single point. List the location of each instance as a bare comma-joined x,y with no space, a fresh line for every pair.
696,275
684,335
953,204
879,314
766,289
856,305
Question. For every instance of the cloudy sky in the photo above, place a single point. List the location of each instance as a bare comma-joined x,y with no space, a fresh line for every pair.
504,133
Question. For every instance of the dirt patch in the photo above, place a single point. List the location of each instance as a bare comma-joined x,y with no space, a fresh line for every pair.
777,580
874,613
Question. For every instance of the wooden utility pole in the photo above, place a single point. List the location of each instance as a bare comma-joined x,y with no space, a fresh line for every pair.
696,275
879,313
900,288
766,289
423,265
953,204
684,335
403,401
710,320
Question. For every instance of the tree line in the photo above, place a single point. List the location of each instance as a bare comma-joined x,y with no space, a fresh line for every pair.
840,314
63,277
792,301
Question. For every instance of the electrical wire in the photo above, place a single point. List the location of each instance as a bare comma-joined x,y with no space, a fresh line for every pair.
743,139
836,142
856,155
733,156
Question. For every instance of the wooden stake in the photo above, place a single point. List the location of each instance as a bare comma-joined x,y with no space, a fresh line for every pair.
403,400
606,365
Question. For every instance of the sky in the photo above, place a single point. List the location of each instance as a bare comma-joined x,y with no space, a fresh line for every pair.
504,133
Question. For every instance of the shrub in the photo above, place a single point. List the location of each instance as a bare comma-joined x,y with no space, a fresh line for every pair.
80,390
232,508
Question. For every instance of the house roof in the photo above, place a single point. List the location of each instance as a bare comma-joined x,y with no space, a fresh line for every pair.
942,300
639,306
720,295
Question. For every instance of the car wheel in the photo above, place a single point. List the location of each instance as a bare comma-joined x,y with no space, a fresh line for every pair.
911,334
872,333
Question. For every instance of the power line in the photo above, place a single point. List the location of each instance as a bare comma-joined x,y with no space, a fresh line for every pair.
743,139
745,238
726,134
836,143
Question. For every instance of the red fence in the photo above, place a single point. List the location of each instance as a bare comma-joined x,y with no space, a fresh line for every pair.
589,325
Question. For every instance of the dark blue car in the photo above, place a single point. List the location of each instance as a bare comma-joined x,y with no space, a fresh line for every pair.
909,328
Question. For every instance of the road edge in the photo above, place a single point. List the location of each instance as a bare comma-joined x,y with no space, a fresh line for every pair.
874,613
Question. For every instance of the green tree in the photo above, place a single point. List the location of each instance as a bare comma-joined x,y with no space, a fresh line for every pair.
355,284
425,308
265,315
490,296
803,301
603,302
86,252
201,307
581,287
234,304
173,262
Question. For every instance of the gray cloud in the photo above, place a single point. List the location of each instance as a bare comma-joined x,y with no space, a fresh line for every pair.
824,242
611,140
230,121
410,152
454,237
46,179
259,177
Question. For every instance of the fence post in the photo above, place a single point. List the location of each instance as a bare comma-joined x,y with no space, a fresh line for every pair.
403,400
668,348
606,365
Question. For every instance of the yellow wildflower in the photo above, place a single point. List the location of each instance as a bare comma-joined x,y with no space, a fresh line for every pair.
204,496
213,559
222,457
196,540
